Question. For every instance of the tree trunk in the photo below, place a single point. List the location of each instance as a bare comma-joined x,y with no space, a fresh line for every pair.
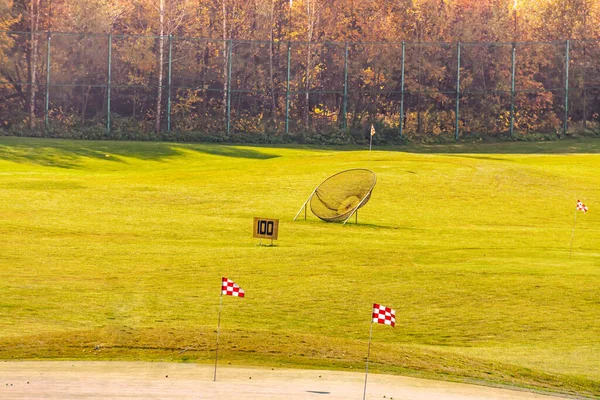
205,61
420,67
307,84
584,125
34,16
85,94
310,17
271,73
225,60
161,51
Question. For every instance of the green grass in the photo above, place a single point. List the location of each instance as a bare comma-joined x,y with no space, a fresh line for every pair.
121,257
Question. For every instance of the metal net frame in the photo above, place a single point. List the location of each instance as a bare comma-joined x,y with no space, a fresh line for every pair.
340,196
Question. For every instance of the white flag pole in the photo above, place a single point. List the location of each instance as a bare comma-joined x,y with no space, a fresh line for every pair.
368,354
573,232
218,332
371,134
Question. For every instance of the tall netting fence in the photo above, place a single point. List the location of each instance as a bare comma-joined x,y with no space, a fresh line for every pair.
178,88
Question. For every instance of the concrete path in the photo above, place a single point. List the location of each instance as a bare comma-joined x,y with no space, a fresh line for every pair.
144,380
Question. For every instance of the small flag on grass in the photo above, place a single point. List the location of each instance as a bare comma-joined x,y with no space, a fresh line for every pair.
384,315
581,206
230,288
380,315
371,137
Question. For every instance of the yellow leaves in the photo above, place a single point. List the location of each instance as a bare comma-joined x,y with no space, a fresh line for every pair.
321,110
368,75
136,52
318,110
6,22
374,79
187,100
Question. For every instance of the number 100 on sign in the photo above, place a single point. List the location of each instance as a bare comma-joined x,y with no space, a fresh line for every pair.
265,228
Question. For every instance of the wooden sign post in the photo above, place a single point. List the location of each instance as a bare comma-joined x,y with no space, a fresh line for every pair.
266,228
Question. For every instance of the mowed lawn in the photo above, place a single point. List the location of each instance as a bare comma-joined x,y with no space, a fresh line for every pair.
115,250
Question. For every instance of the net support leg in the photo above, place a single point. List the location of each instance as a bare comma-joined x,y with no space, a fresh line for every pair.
350,216
304,206
356,209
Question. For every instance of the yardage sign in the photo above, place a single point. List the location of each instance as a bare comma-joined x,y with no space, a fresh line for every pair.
266,228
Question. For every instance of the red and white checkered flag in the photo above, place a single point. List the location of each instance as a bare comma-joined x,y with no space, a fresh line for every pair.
384,315
581,206
230,288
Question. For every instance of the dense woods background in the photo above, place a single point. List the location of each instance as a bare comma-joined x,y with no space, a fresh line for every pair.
312,70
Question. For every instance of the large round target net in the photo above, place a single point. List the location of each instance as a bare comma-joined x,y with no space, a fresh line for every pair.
342,194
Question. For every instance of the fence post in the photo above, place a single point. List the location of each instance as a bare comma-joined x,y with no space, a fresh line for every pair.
345,104
287,89
169,84
402,94
457,91
512,90
47,80
566,121
230,42
108,83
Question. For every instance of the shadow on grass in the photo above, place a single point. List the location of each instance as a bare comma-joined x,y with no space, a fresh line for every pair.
68,153
563,146
230,151
313,220
378,226
473,157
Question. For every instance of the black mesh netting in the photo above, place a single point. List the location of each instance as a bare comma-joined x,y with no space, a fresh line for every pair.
341,194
